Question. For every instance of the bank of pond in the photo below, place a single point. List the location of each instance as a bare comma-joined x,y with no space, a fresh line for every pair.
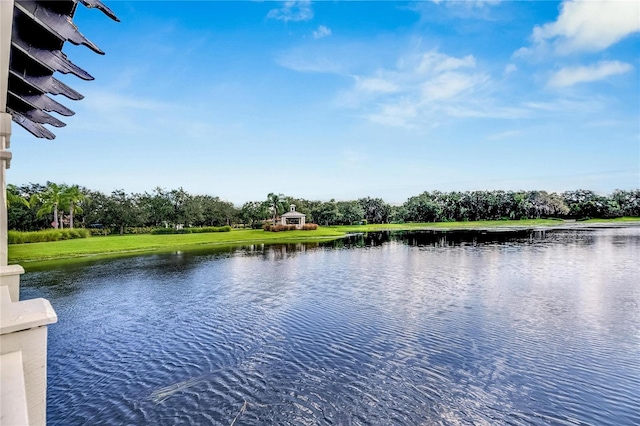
114,245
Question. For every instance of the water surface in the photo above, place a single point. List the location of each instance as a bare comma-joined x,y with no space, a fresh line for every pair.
417,328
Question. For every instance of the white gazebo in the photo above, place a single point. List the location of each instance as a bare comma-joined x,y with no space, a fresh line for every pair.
292,217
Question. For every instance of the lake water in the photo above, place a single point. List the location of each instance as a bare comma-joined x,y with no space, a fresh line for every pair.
533,328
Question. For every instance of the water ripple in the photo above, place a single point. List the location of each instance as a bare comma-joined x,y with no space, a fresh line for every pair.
396,330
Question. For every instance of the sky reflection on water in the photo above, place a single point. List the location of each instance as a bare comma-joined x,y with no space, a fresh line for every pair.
381,329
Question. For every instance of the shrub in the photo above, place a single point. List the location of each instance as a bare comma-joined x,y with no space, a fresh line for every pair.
206,229
276,228
281,228
17,237
209,229
138,230
162,231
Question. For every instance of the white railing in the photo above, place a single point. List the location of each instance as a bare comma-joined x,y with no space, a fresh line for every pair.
23,324
23,352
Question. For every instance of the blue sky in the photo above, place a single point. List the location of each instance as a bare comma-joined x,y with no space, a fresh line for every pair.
349,99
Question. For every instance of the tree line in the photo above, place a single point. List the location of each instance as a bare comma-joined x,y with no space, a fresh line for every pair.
36,206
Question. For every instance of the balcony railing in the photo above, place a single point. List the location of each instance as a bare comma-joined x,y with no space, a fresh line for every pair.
23,352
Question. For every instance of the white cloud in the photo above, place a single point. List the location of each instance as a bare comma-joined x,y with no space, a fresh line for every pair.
585,105
328,58
573,75
458,9
399,115
422,88
321,32
292,11
114,109
447,86
375,85
437,62
482,3
510,69
108,101
468,3
297,61
588,26
508,134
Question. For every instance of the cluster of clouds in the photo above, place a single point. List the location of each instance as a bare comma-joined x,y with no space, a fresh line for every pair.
584,27
322,32
292,11
420,88
425,85
588,26
298,11
569,76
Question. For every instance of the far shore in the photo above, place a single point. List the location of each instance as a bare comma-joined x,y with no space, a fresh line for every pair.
492,225
29,255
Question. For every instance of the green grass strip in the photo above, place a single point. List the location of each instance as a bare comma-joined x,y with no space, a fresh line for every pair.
626,219
20,253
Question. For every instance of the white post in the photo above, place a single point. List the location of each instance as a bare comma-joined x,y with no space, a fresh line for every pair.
23,330
5,158
6,21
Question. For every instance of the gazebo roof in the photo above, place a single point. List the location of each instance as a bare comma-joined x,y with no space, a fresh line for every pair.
293,214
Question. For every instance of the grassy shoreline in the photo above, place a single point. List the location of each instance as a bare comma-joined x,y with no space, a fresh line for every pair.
110,246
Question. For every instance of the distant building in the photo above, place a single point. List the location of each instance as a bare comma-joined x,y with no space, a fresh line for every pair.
293,217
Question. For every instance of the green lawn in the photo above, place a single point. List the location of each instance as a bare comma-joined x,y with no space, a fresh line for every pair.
615,220
482,224
19,253
112,245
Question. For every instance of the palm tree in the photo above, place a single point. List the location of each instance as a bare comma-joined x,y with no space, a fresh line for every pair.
14,197
277,204
71,196
50,199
